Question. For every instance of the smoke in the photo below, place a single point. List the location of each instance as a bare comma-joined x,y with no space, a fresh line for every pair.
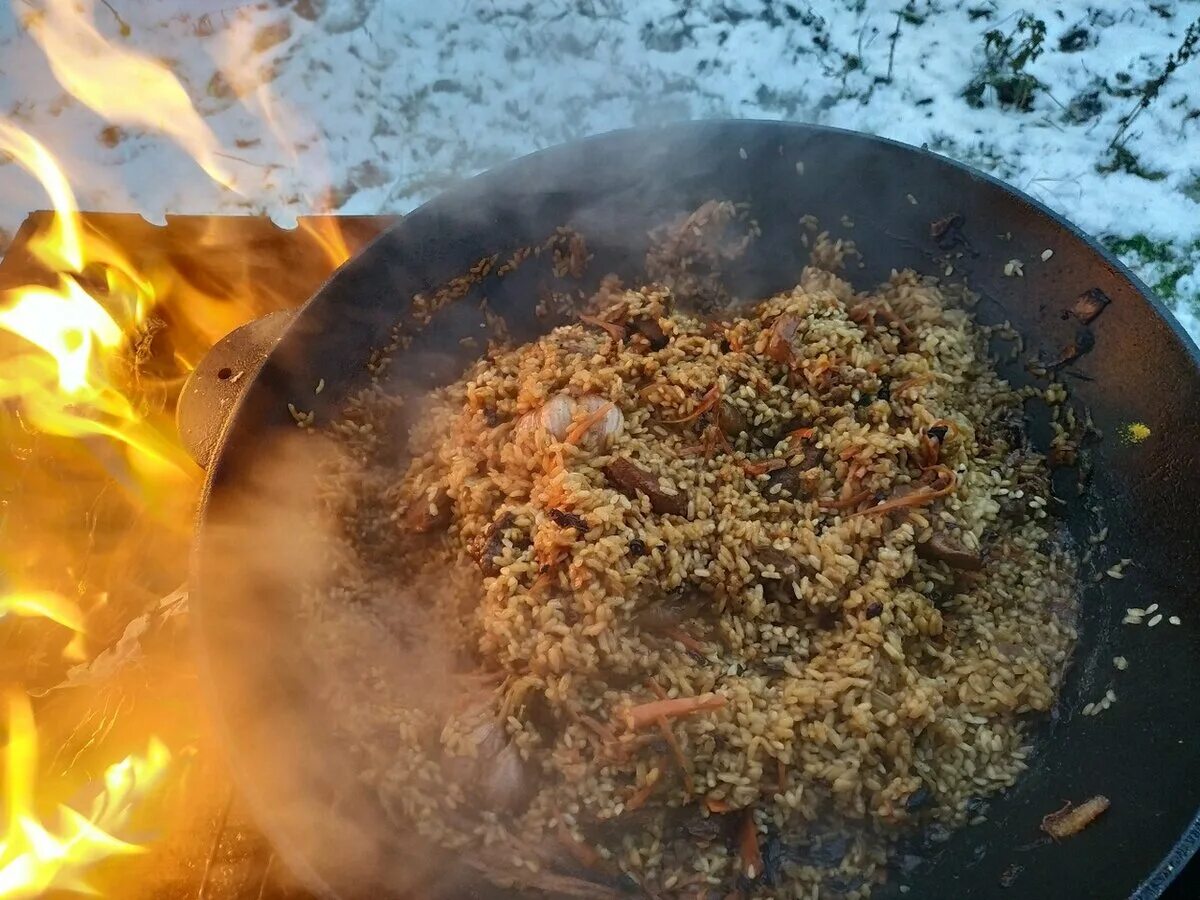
320,672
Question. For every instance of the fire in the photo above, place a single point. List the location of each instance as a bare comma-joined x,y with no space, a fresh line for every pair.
121,85
67,381
34,858
48,605
92,353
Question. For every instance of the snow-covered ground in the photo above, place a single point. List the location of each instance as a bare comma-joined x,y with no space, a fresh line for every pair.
374,105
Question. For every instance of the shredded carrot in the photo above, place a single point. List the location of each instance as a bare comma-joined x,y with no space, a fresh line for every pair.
916,498
584,854
615,331
669,735
602,731
717,806
850,452
641,795
845,502
575,435
762,467
656,689
710,399
752,862
714,438
800,434
690,643
916,381
644,714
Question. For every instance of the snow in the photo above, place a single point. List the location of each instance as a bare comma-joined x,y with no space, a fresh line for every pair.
372,106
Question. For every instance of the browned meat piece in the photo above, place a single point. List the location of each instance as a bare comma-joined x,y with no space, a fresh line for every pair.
629,478
779,590
791,480
779,346
649,328
947,547
732,420
493,544
426,513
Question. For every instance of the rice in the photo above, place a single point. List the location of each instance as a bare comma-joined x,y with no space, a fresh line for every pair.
856,589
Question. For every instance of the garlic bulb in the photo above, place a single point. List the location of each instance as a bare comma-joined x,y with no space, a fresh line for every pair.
556,415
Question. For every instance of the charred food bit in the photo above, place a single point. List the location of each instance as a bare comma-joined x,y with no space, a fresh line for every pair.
564,519
1070,821
630,479
1090,304
493,544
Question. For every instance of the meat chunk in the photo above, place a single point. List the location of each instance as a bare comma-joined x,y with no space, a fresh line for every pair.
649,328
631,479
791,480
429,511
731,419
493,544
948,547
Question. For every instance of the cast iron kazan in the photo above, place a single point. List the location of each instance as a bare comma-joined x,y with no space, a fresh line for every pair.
902,203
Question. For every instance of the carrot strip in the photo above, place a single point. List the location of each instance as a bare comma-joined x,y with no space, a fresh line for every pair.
916,498
645,714
762,467
641,795
717,806
656,689
673,742
615,331
915,381
575,435
800,434
689,642
709,400
845,502
752,862
584,855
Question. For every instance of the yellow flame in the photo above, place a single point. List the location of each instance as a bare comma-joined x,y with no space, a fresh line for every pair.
35,859
62,242
68,382
56,608
122,85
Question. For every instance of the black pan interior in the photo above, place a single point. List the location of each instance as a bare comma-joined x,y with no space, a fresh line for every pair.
1142,753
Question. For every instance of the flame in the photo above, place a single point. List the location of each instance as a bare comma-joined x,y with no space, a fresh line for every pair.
35,859
67,382
121,85
48,605
62,242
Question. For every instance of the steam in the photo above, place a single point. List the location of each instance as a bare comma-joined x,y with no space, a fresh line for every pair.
327,666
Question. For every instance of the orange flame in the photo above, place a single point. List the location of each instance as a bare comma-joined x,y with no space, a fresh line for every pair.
35,859
65,382
50,606
121,85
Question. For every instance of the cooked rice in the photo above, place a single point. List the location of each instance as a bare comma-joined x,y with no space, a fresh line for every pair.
868,691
